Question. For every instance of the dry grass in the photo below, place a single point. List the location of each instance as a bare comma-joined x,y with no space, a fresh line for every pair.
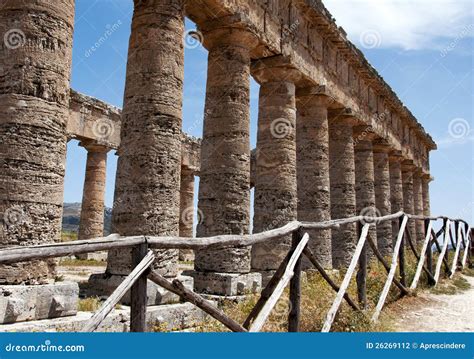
317,298
73,262
88,304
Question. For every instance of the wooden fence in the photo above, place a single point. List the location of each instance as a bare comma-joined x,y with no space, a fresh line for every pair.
454,231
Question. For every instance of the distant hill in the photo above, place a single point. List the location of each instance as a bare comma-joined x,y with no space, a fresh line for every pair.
72,216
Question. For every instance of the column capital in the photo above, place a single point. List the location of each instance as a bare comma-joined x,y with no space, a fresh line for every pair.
408,166
395,156
343,116
275,69
427,177
313,95
381,145
93,146
229,30
363,133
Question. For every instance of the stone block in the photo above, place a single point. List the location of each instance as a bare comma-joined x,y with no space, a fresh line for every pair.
19,303
226,284
170,317
103,285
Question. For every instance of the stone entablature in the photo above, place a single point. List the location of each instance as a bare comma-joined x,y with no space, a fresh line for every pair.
306,35
95,121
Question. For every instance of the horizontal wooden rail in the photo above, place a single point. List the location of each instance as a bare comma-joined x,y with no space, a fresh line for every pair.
52,250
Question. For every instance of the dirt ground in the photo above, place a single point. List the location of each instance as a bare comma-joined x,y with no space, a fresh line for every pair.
431,312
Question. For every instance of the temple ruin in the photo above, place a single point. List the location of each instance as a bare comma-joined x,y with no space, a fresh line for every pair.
333,141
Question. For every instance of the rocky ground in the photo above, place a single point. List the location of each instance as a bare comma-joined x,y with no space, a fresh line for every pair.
437,311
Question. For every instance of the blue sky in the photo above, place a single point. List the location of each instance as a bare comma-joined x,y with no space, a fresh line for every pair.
423,49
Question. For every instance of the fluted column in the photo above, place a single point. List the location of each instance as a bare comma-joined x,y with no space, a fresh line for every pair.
93,198
425,183
396,188
312,143
275,183
148,173
224,190
418,204
364,177
186,219
408,200
343,194
35,65
382,195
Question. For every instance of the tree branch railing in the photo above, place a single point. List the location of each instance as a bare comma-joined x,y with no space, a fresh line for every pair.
288,273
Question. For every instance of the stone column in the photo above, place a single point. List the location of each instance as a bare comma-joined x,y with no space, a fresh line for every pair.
224,190
418,204
186,219
275,182
312,154
425,186
343,194
382,195
148,173
93,197
35,63
396,188
408,200
364,177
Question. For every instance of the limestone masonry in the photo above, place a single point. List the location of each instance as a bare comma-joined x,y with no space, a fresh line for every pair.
333,141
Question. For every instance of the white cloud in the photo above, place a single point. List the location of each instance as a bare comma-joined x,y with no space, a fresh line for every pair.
405,24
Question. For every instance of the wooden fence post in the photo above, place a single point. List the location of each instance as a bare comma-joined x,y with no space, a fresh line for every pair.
401,254
429,253
295,287
138,292
361,277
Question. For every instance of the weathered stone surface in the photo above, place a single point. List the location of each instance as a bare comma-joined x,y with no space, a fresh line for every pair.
425,183
408,201
224,190
396,189
35,63
418,205
170,317
148,173
93,198
19,303
227,284
186,217
275,187
343,195
103,285
312,143
382,197
364,178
